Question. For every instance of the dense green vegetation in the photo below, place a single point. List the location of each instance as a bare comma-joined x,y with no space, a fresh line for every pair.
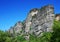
56,32
46,37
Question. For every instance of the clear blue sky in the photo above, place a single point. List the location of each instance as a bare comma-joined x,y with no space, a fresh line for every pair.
12,11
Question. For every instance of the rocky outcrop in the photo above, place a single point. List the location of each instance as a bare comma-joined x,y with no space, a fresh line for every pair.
37,22
16,29
57,17
40,20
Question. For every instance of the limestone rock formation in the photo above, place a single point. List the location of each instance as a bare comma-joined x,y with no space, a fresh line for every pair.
16,29
57,16
40,20
37,22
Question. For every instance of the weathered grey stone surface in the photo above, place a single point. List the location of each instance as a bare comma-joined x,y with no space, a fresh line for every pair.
11,30
43,20
17,28
37,21
57,17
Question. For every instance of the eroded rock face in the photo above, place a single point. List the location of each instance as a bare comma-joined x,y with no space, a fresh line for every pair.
29,19
57,17
11,30
37,22
16,29
42,20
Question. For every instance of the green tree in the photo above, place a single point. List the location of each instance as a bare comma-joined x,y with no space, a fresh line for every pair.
4,36
56,32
